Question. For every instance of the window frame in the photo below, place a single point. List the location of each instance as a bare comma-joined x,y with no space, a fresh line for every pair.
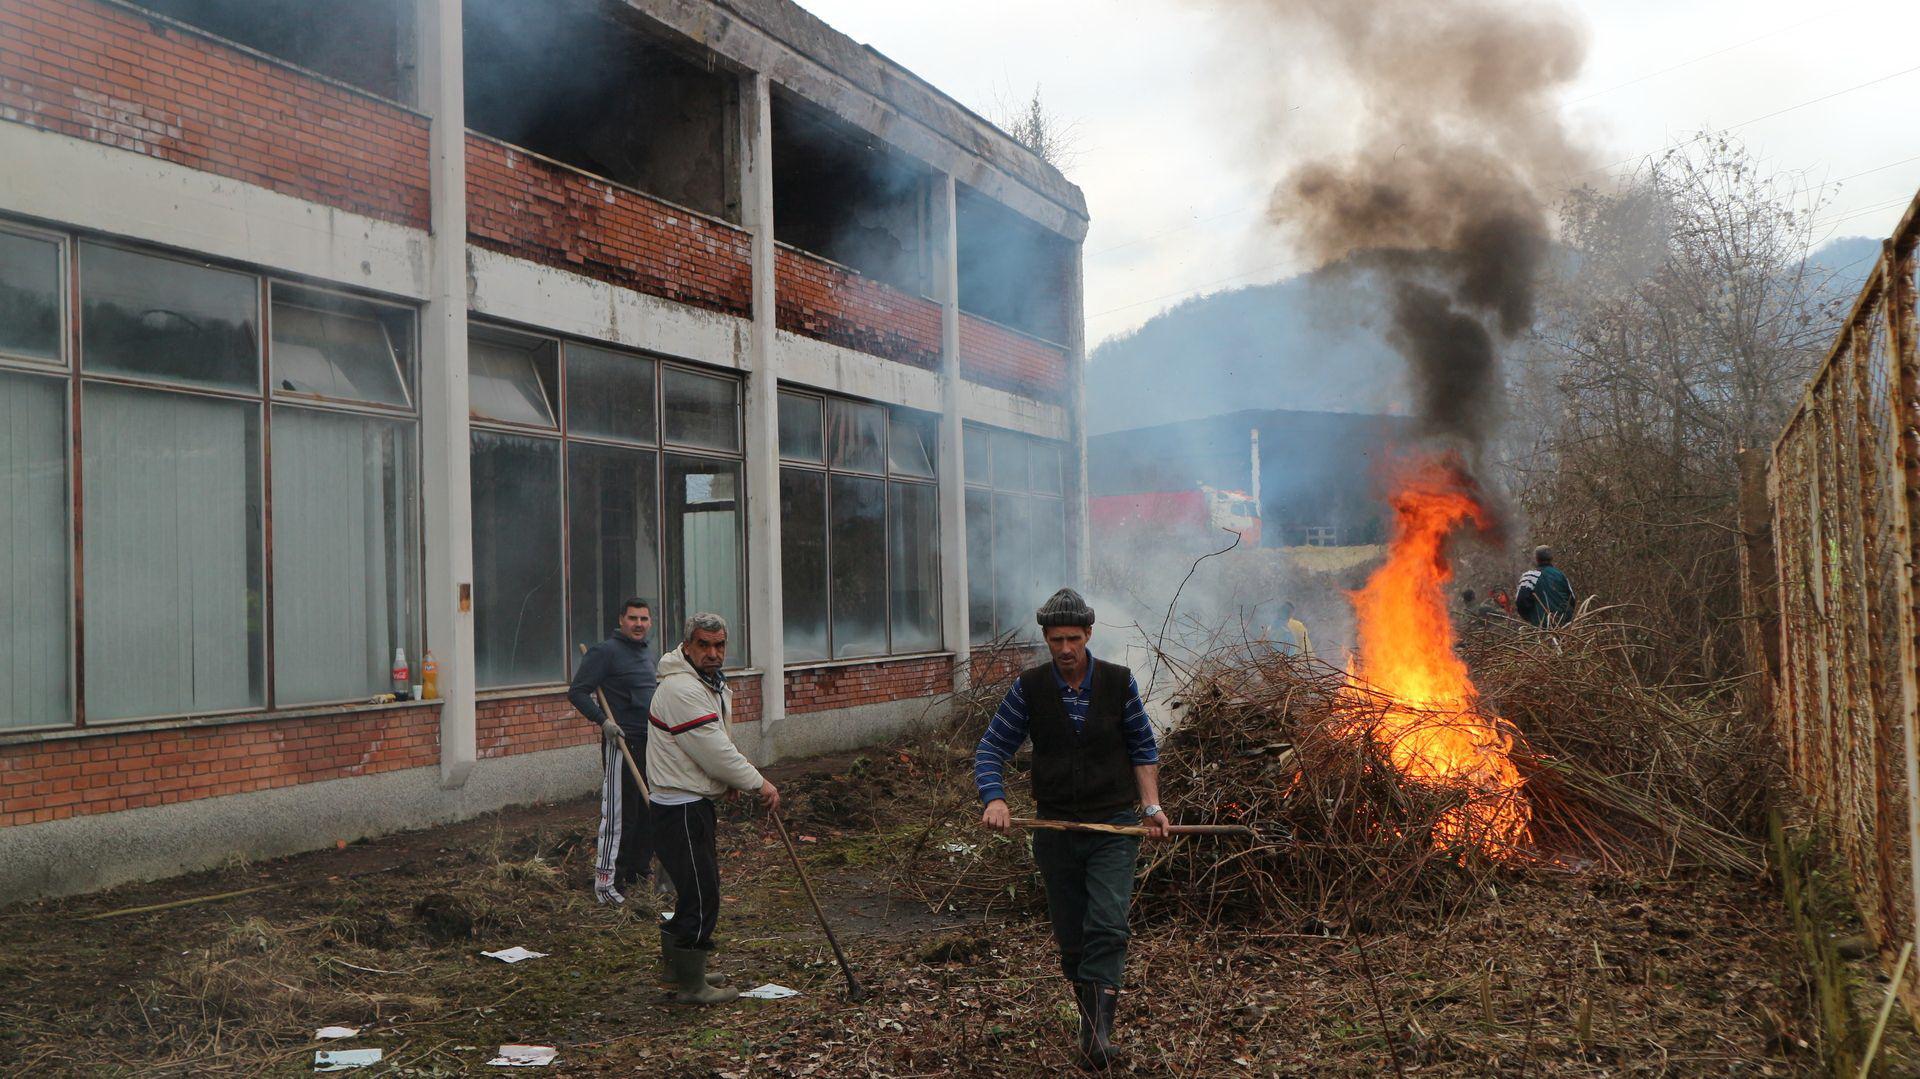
66,283
887,477
406,366
1029,498
739,659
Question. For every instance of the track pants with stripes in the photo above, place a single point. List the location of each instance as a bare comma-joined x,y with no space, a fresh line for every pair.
683,839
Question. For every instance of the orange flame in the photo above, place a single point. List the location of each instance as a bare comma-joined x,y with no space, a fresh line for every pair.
1432,729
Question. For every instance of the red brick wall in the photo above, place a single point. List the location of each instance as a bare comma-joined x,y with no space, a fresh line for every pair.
532,208
816,689
99,72
746,698
504,726
67,777
817,299
1001,664
993,355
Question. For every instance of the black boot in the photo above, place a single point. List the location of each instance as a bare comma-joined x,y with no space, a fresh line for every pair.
1083,1003
1097,1044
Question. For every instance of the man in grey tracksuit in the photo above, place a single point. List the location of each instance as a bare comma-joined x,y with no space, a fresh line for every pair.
621,667
692,760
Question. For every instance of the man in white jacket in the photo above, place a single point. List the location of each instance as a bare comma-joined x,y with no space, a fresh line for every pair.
692,760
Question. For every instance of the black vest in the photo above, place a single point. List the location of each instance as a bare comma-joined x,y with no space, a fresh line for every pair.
1086,776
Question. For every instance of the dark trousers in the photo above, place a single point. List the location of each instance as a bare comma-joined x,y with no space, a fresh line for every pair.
634,861
683,835
1089,880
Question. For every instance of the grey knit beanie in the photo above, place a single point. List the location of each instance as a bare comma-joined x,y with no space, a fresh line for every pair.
1064,608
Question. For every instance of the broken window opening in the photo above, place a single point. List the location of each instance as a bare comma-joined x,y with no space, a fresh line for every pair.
595,86
1012,271
363,43
840,193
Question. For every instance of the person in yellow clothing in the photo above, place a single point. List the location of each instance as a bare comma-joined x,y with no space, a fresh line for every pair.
1302,643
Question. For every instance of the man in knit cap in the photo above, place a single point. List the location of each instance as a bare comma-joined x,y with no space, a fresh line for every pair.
1094,760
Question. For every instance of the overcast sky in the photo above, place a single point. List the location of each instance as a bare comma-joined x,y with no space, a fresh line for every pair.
1176,163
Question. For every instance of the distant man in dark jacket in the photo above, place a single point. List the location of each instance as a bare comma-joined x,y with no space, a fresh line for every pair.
1094,759
1545,596
622,666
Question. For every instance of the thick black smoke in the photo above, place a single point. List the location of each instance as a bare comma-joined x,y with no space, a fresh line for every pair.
1444,192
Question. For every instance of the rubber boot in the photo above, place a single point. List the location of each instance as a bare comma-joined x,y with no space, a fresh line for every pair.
690,979
667,948
1098,1047
1083,1003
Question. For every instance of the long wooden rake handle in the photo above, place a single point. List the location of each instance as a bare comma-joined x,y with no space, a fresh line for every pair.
854,990
1133,829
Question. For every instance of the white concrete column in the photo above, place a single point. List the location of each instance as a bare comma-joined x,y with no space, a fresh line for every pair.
764,613
446,497
943,232
1076,343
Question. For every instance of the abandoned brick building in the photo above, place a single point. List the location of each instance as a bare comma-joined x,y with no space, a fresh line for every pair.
332,335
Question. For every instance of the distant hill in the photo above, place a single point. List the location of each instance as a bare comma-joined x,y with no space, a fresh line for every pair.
1308,343
1303,343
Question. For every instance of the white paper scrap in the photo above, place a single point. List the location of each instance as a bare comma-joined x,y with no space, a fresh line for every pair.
325,1033
514,954
339,1060
524,1056
769,991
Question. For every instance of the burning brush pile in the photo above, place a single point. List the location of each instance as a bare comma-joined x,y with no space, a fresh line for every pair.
1400,786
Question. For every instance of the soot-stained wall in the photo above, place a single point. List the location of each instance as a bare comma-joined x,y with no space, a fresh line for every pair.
593,86
839,194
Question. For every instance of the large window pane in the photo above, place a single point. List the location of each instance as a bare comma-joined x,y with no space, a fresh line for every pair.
800,434
613,509
977,449
1013,577
510,382
911,443
1009,461
163,318
702,410
171,490
1046,468
331,346
856,436
803,562
344,555
34,582
913,563
704,516
979,566
609,394
518,634
29,298
857,530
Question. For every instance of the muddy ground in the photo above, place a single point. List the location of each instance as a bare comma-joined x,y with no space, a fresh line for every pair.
1552,973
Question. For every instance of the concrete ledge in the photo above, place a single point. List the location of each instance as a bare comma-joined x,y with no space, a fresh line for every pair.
80,184
83,854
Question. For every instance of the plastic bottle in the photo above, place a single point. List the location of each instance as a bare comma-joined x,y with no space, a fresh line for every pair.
429,677
400,671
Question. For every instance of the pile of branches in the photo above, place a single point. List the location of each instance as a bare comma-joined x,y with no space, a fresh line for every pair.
1615,772
1618,773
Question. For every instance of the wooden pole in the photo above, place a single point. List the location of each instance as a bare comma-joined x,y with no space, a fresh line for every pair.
1133,829
854,990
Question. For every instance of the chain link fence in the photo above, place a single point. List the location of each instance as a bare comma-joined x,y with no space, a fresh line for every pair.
1843,488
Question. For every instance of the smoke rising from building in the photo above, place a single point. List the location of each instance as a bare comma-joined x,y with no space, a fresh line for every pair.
1444,194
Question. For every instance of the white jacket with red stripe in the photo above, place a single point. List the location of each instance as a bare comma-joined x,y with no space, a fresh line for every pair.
690,748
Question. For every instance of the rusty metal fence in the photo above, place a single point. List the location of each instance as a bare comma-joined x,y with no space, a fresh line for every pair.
1844,490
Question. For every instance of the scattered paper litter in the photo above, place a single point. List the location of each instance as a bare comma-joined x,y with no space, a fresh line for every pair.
339,1060
769,991
666,916
954,846
514,954
324,1033
524,1056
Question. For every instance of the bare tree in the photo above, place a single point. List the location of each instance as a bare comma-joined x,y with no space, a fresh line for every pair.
1033,125
1681,327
